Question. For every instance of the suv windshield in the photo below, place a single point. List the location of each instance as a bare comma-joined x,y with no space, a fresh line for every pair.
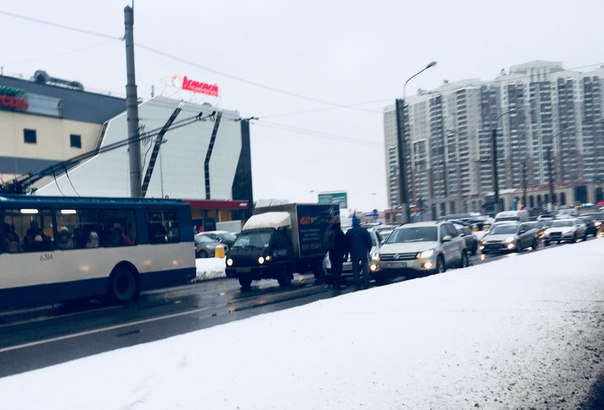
419,234
253,240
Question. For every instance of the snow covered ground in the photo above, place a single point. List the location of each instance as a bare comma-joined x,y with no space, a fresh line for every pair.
210,268
520,332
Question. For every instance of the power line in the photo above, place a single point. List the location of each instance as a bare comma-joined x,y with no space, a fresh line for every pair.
322,134
57,25
243,80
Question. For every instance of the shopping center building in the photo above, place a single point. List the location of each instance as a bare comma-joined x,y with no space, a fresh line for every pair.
203,158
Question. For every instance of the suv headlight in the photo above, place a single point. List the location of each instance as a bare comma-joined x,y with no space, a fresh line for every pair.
509,239
425,254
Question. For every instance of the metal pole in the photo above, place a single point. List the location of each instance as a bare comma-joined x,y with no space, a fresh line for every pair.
550,177
400,138
495,172
524,184
402,169
134,149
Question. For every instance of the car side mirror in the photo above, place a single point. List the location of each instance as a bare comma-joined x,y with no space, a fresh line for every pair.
446,238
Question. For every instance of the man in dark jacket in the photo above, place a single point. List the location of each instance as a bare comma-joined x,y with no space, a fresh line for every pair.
337,251
359,245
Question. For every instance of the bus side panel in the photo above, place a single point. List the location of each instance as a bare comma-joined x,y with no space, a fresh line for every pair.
47,293
153,280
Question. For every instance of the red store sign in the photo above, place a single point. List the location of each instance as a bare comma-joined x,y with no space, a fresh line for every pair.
194,86
13,101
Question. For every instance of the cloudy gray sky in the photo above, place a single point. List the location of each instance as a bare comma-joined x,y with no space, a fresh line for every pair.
295,65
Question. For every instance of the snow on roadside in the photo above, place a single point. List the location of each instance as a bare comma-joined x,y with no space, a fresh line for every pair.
209,268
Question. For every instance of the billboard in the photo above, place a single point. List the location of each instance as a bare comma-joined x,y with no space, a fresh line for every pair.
334,198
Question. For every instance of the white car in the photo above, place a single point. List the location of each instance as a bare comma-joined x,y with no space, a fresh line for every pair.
565,230
421,247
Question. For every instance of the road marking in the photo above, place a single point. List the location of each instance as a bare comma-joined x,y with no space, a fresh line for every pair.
104,329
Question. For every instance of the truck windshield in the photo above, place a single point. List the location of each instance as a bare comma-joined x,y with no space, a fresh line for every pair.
420,234
253,240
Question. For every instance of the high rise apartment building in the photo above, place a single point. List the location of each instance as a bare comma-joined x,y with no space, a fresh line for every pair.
548,123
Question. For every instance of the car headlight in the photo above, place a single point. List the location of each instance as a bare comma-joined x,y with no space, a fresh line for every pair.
261,260
229,262
509,239
425,254
375,256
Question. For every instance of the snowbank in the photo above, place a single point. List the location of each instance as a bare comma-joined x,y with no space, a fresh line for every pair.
519,332
210,268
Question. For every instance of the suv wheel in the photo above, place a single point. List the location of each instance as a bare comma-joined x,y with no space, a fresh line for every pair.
440,265
464,262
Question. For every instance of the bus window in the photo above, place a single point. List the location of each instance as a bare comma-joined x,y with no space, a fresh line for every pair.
163,227
32,226
75,228
118,228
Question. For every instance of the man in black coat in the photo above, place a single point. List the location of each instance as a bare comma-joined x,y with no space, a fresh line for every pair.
337,252
359,246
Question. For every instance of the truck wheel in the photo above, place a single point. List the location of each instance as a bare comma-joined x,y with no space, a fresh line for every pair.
246,283
285,279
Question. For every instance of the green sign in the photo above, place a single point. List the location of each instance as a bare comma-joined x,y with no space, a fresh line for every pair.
334,198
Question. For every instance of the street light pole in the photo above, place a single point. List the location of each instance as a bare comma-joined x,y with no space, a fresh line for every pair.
495,171
494,157
403,193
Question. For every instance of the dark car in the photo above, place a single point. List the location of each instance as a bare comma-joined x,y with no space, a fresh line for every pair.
206,247
469,237
590,225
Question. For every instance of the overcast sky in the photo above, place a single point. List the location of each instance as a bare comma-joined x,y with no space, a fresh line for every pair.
295,64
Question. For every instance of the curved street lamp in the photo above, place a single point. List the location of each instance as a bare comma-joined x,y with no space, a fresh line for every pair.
403,194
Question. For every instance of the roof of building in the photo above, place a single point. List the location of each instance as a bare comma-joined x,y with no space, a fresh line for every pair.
77,104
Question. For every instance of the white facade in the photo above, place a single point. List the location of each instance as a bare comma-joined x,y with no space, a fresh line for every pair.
179,170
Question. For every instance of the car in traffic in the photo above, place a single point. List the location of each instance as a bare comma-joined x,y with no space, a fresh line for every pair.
469,237
205,247
509,237
565,230
376,240
591,225
421,247
225,237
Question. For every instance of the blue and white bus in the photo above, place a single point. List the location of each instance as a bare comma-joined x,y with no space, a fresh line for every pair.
61,248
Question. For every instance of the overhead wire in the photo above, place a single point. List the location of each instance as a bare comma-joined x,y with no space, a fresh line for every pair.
316,133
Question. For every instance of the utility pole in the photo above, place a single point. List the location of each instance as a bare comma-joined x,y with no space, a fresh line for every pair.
524,184
134,148
550,177
402,168
495,171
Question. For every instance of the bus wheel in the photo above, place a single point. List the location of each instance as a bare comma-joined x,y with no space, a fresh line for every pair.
123,285
246,283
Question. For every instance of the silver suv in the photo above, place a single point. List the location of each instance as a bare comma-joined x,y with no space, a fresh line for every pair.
421,247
